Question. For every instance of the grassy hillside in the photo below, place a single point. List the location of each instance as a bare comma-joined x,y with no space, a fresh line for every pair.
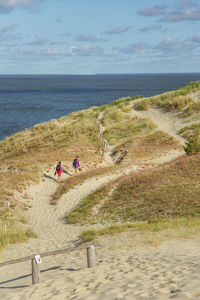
170,190
27,154
180,100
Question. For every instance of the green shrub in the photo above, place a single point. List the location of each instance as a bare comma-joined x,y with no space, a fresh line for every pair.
142,105
192,146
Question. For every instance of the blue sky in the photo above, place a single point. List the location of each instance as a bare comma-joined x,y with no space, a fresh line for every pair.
99,36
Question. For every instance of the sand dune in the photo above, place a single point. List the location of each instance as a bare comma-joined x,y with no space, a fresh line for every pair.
124,269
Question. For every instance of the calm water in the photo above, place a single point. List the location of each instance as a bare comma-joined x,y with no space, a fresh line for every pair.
28,100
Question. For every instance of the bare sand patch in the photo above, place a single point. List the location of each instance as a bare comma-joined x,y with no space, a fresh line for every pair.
123,270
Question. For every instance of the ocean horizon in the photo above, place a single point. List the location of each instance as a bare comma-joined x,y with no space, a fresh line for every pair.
26,100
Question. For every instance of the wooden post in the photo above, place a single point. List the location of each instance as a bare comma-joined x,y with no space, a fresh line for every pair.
91,257
35,271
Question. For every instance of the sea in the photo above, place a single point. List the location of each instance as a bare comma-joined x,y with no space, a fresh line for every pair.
26,100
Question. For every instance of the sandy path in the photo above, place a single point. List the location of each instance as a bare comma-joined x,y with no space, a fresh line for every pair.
166,122
48,221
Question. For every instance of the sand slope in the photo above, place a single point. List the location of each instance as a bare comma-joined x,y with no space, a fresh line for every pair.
168,271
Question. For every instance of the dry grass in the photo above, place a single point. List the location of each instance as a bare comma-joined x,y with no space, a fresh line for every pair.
179,100
127,129
192,109
115,115
191,131
150,146
75,180
153,232
12,231
163,192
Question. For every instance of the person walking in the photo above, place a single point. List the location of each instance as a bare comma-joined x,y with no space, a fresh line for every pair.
58,170
76,164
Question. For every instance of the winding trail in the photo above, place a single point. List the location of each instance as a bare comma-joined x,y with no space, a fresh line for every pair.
166,122
50,223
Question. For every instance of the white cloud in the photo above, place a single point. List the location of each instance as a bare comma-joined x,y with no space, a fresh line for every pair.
185,10
55,52
72,50
88,38
185,3
150,27
37,42
134,48
5,29
192,14
8,35
117,30
157,10
196,38
85,50
174,46
7,5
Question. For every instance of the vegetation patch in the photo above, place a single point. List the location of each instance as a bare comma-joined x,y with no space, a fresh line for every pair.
192,108
120,103
127,129
149,146
169,191
85,210
114,115
190,132
173,101
170,228
71,182
192,146
12,232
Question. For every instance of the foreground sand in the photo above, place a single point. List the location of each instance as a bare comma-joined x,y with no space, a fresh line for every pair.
169,271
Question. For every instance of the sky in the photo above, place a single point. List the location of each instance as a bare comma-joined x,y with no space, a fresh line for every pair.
99,36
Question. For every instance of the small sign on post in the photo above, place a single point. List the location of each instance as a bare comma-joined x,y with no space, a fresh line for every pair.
38,259
36,269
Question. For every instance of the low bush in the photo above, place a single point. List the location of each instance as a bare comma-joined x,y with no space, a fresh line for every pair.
192,146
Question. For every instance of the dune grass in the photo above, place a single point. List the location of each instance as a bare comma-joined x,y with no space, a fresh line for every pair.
191,109
115,115
49,136
12,231
149,146
126,129
168,191
151,232
191,131
167,102
178,100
